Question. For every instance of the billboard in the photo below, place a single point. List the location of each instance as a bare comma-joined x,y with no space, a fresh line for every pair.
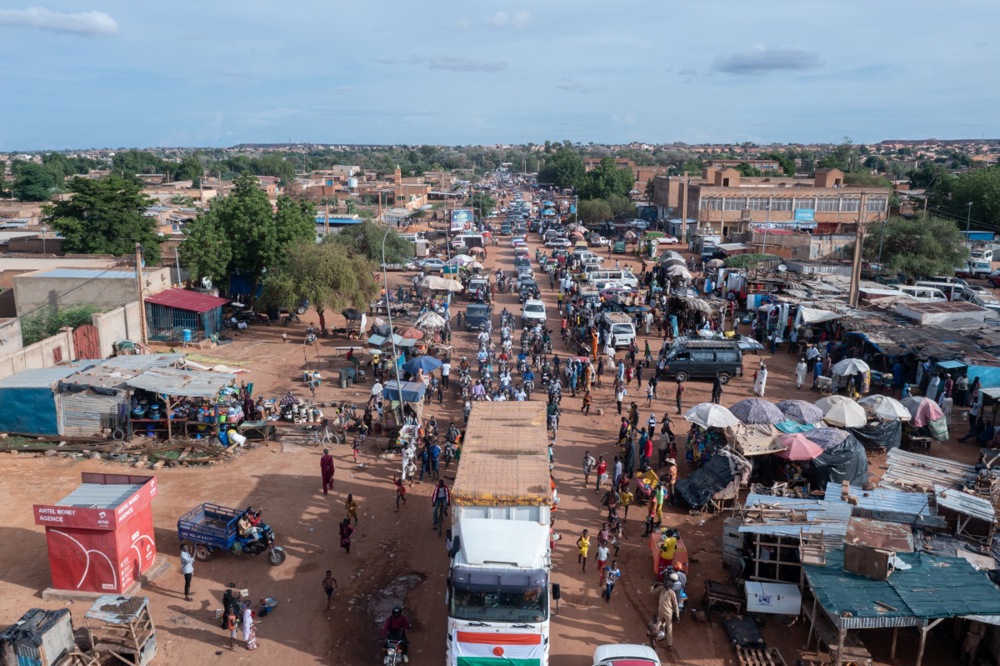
461,219
805,215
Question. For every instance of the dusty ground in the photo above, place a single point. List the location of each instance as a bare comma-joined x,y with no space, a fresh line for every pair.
393,554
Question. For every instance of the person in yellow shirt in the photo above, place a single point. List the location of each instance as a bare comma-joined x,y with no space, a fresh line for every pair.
668,547
583,544
626,497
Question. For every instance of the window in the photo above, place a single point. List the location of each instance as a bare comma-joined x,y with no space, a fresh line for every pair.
828,205
703,356
757,204
727,357
713,203
735,204
850,205
781,204
876,205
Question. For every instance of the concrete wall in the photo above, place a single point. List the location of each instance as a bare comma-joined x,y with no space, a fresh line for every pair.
116,325
11,341
34,291
42,354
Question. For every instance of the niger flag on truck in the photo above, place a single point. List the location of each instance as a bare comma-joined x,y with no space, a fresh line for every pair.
488,649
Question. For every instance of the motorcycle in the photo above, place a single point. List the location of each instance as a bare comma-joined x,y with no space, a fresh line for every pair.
393,652
263,544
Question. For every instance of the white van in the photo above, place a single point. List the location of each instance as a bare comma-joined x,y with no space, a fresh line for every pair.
923,294
622,277
621,328
951,290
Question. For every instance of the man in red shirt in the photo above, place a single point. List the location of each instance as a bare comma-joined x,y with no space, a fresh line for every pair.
395,629
326,469
602,472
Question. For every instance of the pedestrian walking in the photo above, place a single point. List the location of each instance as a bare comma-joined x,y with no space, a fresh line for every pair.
650,392
602,473
679,395
760,380
717,390
400,492
588,467
187,568
801,368
231,628
587,400
611,576
351,507
620,394
651,426
668,611
583,548
345,534
618,470
326,469
249,628
603,552
329,587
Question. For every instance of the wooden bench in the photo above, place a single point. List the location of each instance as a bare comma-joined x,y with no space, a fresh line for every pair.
759,657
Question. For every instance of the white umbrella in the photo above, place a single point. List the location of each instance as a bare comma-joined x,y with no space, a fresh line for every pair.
711,415
435,283
850,366
678,272
841,411
885,407
460,260
474,265
430,320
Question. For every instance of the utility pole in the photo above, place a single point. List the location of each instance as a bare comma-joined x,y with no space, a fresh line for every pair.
139,284
767,223
859,240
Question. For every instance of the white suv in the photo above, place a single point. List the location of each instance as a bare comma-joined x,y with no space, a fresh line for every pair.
533,312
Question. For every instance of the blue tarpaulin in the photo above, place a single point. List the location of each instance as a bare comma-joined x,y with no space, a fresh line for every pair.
28,403
411,391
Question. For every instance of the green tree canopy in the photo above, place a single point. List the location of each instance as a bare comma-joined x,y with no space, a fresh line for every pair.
862,179
749,170
953,194
786,161
105,216
33,182
483,204
621,207
918,247
563,169
328,274
241,233
605,180
592,211
928,175
365,239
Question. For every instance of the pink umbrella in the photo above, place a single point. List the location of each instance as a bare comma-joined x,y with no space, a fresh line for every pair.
924,410
797,447
413,332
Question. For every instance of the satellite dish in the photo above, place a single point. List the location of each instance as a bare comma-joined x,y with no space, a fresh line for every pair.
206,282
782,268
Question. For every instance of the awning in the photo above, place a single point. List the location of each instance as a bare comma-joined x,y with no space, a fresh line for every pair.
411,391
187,383
815,316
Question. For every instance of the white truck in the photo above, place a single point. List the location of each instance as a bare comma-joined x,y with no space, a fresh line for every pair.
498,583
620,327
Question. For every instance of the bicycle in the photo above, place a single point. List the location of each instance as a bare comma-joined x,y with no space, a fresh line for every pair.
439,513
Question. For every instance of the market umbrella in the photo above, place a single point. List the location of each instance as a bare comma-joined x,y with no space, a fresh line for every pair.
477,250
850,366
460,260
757,410
413,333
678,272
801,411
435,283
841,411
475,265
798,447
711,415
425,363
715,263
885,407
576,234
922,409
828,438
430,321
672,261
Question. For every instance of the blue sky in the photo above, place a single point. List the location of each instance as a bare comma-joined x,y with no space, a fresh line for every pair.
113,73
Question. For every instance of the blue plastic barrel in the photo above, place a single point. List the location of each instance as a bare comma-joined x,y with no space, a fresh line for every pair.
187,335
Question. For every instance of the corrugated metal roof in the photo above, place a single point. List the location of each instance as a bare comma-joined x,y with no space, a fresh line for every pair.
914,471
185,299
883,501
25,264
964,503
43,377
114,372
86,274
190,383
830,518
99,495
933,587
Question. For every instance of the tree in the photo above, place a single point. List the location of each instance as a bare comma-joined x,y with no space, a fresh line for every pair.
650,192
861,179
918,247
328,274
50,320
786,161
845,157
591,211
5,189
927,176
605,180
483,204
365,239
748,170
105,216
189,169
563,169
621,207
242,234
953,194
33,182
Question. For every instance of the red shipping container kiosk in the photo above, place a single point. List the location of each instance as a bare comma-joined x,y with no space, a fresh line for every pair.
100,536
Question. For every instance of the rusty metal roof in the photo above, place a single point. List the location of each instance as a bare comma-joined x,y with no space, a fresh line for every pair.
188,383
879,534
883,503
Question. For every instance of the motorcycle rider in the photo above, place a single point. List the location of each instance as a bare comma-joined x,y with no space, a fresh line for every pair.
395,629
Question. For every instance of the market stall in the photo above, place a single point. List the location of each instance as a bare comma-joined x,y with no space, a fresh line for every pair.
100,537
405,403
190,403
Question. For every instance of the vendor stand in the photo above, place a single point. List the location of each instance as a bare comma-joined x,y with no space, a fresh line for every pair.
189,402
406,404
681,559
122,627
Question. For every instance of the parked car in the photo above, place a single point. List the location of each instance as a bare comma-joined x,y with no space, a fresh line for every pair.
432,265
667,240
558,242
625,655
532,312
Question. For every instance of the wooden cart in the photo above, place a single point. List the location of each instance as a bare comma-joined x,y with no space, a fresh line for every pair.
122,627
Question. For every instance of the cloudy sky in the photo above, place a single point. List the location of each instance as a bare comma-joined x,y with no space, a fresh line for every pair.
113,73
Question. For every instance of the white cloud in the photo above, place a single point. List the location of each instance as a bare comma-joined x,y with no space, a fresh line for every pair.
463,64
518,19
573,85
763,59
92,23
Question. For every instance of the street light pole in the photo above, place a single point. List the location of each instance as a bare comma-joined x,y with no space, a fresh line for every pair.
968,223
767,223
388,312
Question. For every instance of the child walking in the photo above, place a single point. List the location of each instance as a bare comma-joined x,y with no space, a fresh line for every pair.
345,534
352,508
400,492
329,586
583,544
